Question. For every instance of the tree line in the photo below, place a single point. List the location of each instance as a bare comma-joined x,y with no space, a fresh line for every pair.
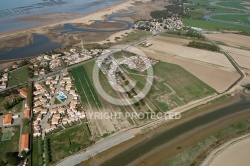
201,45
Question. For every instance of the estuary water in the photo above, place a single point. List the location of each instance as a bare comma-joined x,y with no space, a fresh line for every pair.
41,44
12,10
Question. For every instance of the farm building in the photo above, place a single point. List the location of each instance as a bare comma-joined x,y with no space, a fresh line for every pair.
23,93
7,120
25,142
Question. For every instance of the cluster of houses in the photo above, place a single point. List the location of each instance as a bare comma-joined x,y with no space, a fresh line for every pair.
170,23
56,60
5,75
4,80
173,23
140,63
73,57
59,87
110,66
95,52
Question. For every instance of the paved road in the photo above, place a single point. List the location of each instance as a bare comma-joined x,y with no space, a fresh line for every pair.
96,148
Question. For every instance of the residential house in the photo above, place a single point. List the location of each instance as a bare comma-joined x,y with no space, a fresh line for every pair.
39,117
23,93
27,113
36,133
7,120
61,110
53,110
50,128
25,142
54,121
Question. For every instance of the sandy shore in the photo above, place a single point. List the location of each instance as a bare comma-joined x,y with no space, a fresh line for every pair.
236,153
86,19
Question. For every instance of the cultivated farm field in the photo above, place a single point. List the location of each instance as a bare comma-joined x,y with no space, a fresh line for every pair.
92,103
234,40
242,57
173,86
213,58
207,66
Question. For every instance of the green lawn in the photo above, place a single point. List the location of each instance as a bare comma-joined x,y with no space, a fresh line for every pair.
17,76
174,84
212,25
26,126
37,152
68,142
11,145
56,101
85,87
232,4
234,18
7,136
16,108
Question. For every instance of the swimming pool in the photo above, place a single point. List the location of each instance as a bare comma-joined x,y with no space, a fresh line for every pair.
62,96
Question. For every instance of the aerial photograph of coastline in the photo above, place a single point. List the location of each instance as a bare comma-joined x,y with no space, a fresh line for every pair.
124,82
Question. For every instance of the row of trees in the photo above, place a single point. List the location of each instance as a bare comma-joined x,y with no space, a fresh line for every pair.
168,12
201,45
15,101
48,157
12,158
188,33
191,33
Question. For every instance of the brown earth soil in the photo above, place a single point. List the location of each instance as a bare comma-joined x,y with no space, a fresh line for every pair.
12,42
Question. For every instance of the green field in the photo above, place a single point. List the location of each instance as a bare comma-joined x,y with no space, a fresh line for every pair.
232,4
134,36
37,152
68,142
16,108
11,145
85,88
17,76
215,26
200,8
7,136
234,18
173,84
